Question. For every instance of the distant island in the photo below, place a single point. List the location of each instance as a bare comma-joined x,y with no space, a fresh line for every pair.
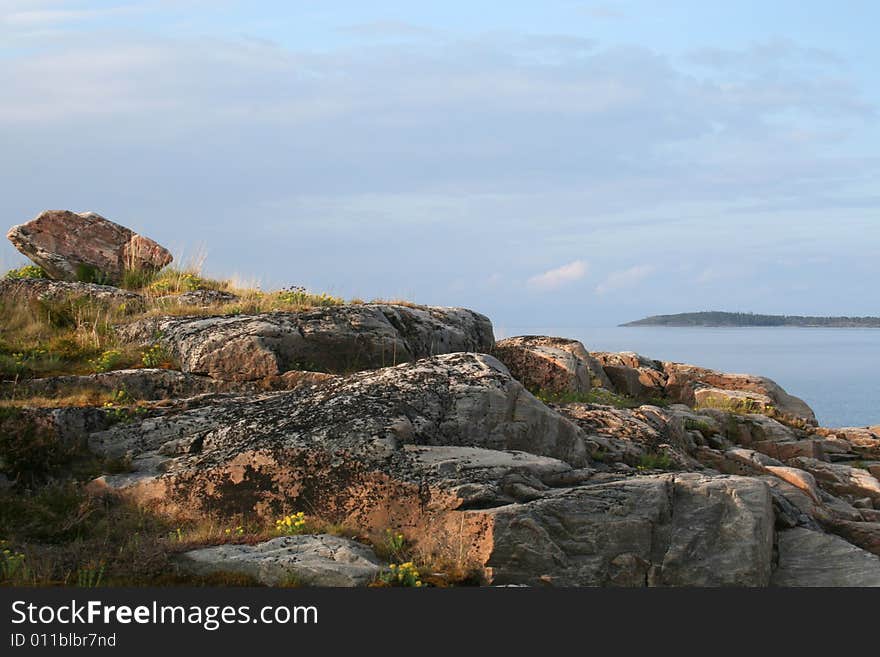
720,319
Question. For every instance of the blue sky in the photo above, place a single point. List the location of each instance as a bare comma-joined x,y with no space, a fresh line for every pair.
552,164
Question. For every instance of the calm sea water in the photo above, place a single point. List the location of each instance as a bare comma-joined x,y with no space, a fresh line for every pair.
834,370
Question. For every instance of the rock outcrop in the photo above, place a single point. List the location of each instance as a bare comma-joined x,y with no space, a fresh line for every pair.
330,339
307,560
458,455
31,290
380,416
687,384
810,558
560,365
85,247
552,365
633,375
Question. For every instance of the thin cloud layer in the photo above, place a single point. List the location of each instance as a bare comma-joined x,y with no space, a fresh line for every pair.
403,144
556,278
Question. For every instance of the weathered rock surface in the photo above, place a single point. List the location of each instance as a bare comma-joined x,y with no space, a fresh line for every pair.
864,441
41,289
842,480
632,374
684,381
666,530
329,339
810,558
306,560
204,298
554,365
461,456
453,451
637,376
68,245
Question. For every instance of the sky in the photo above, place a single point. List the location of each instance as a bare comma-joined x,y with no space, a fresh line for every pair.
554,163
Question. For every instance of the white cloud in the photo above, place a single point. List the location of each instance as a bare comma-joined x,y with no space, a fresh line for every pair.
555,278
625,278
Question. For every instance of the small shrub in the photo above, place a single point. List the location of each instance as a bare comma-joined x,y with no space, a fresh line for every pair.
108,360
29,452
395,545
90,575
655,462
90,274
137,279
296,295
155,356
13,567
599,396
291,525
405,574
27,271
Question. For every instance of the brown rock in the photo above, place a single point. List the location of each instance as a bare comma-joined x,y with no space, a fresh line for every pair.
811,558
799,479
85,246
684,380
864,534
632,374
554,365
784,450
841,480
335,339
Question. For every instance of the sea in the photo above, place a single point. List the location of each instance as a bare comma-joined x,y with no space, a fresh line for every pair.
836,371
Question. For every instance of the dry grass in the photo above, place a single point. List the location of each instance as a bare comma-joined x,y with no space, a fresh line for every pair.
77,336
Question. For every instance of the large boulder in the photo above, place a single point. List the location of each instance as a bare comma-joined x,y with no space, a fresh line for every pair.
632,374
330,339
686,384
85,246
841,480
810,558
664,530
553,365
307,560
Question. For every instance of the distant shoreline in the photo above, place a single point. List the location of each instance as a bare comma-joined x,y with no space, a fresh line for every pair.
718,319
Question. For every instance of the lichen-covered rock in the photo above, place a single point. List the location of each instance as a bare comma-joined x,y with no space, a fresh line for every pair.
864,441
204,298
72,246
632,374
45,290
333,446
811,558
683,383
665,530
329,339
306,560
627,435
554,365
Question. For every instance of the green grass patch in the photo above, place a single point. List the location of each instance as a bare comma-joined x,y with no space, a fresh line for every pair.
599,396
651,461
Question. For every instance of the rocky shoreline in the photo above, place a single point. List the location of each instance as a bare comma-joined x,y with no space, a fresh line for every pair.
528,461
